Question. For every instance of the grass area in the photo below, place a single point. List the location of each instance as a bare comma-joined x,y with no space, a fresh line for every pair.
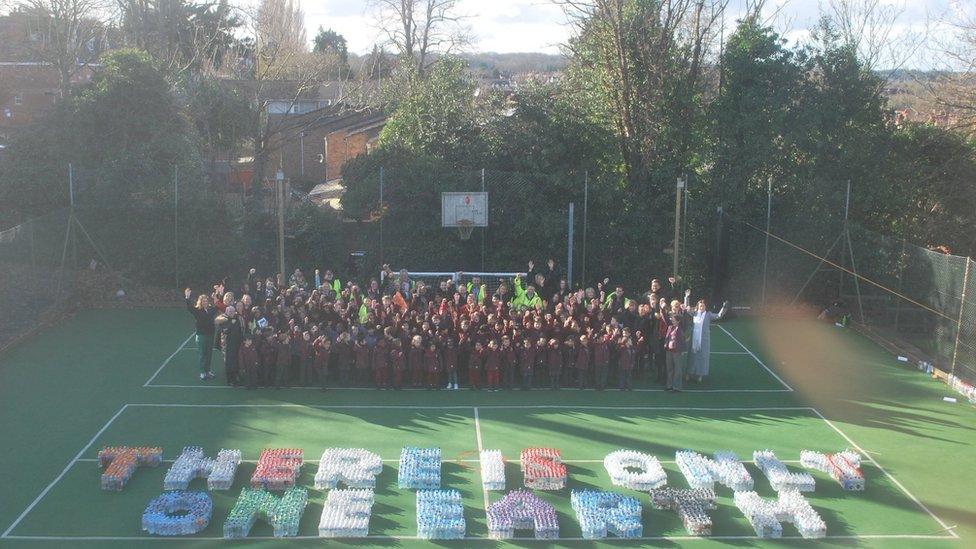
83,385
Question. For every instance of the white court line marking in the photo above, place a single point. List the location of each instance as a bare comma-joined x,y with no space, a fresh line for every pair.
165,362
78,457
395,460
172,386
481,447
67,467
493,541
887,474
485,539
753,355
490,407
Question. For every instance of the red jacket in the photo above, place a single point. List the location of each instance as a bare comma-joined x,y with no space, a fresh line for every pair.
626,357
526,358
432,361
321,355
380,355
248,357
415,357
583,357
362,355
450,357
493,360
397,360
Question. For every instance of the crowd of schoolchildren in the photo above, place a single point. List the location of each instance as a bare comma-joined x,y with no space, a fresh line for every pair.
533,331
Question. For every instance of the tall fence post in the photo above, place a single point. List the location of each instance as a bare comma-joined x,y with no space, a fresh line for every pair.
484,233
962,309
569,249
382,215
586,209
176,224
769,215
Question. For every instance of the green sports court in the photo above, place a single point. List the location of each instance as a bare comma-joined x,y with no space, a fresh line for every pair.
114,377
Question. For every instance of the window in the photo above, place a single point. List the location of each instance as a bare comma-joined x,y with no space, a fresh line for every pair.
18,99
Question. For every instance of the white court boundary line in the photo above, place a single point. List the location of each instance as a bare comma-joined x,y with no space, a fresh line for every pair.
67,467
787,389
168,359
79,458
756,358
481,447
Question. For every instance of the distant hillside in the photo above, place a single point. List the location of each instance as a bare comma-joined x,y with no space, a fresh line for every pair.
490,64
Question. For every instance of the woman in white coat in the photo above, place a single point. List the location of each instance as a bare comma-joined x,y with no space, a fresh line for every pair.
700,346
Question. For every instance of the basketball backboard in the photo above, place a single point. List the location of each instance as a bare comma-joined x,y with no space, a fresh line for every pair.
464,209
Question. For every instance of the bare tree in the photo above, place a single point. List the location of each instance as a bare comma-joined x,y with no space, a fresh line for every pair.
184,36
870,28
645,57
282,72
70,34
417,29
955,92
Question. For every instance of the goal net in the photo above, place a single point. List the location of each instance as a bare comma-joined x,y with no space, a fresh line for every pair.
433,278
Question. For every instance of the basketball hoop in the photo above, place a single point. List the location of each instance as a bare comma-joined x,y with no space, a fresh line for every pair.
465,228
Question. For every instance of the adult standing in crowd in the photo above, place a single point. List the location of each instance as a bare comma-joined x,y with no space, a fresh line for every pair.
204,314
700,347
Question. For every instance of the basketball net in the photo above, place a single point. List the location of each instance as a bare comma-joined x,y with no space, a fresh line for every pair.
465,228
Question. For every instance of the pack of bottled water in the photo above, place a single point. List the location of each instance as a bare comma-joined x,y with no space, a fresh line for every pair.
780,478
284,512
522,510
346,513
635,470
728,470
692,506
277,468
543,469
695,468
844,467
492,470
120,463
420,468
224,469
440,514
793,507
190,464
177,513
355,467
600,513
760,512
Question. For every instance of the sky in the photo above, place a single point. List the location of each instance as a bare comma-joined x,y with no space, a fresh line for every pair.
506,26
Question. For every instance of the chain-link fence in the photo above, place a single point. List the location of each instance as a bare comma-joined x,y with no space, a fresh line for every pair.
613,236
806,253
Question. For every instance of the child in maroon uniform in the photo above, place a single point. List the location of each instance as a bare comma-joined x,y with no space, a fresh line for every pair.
362,360
306,356
249,361
381,357
432,366
343,353
269,360
450,359
415,359
625,360
493,365
322,349
475,363
583,362
601,359
398,363
509,362
526,360
569,359
554,362
284,359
